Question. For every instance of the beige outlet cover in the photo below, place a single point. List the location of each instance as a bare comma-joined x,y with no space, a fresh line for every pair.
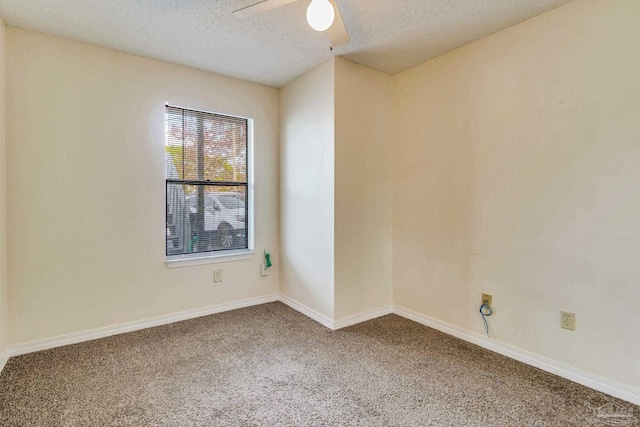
568,320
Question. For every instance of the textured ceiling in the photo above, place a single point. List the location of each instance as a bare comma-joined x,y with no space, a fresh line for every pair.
276,47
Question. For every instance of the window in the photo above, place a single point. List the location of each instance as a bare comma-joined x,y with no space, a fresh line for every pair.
207,183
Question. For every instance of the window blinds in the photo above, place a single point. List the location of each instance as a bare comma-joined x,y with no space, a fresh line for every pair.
206,182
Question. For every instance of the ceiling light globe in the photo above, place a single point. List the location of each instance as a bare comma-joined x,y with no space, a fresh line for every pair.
320,15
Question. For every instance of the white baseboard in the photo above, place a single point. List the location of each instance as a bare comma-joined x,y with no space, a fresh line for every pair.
362,317
78,337
604,385
337,324
565,371
4,358
122,328
307,311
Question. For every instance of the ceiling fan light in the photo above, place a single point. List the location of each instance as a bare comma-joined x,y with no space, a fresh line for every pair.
320,14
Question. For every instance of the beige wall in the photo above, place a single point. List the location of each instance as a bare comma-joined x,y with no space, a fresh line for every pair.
362,189
307,189
335,189
3,168
516,171
86,191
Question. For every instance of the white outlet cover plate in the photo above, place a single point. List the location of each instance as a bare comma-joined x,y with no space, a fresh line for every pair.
568,320
263,271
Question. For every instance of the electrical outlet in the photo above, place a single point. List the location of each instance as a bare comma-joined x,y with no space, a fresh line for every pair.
486,299
568,320
263,271
217,276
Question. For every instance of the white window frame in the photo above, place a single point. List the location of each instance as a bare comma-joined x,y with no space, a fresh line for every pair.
186,260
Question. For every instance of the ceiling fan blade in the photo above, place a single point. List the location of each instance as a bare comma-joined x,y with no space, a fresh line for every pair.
261,7
338,32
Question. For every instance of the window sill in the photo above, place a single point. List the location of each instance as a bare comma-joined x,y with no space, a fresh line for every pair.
191,260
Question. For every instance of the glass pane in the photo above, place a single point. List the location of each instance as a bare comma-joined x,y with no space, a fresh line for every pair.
225,149
192,145
174,143
206,218
205,146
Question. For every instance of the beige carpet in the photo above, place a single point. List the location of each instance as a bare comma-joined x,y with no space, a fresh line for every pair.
271,366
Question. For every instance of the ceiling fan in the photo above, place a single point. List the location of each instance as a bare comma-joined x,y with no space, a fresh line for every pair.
322,15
